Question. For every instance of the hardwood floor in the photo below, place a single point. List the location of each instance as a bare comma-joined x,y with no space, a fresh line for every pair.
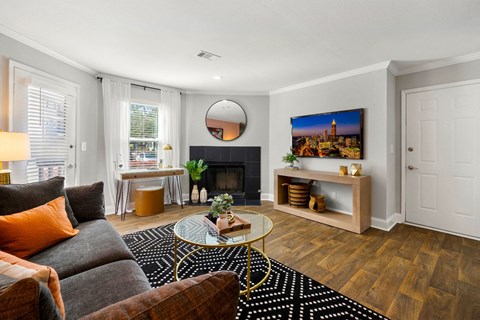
407,273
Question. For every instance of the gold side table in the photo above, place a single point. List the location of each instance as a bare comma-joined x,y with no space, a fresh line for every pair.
193,230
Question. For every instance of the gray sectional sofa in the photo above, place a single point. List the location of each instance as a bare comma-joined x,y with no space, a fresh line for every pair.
99,276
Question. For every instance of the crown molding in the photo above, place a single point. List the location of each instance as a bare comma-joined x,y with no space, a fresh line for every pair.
231,93
334,77
21,38
393,68
137,82
439,64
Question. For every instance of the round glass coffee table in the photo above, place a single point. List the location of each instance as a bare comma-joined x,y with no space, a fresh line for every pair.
195,231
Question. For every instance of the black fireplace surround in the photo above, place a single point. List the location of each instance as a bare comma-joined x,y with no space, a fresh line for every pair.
233,170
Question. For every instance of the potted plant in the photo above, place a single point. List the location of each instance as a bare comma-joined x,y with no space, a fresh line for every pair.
195,169
290,159
220,206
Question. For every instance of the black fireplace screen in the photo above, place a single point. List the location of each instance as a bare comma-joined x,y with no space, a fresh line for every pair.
225,179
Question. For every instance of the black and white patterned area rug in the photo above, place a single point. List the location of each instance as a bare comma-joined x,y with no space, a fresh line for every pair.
286,294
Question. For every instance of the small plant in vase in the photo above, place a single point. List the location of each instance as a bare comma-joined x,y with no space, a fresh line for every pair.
195,169
220,206
290,160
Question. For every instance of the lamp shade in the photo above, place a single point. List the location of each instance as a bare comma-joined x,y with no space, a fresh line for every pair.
14,146
168,156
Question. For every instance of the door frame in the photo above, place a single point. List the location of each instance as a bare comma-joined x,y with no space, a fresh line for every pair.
12,64
403,129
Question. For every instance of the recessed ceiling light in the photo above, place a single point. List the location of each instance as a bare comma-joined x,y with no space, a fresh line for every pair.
217,77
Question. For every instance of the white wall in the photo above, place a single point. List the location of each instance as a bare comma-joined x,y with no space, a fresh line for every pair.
87,109
368,91
256,132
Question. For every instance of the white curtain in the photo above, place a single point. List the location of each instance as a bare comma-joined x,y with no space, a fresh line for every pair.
169,129
116,103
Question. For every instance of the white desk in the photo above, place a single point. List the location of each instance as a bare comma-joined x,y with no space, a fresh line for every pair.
121,200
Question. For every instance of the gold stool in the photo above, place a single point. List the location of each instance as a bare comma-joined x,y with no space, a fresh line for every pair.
148,201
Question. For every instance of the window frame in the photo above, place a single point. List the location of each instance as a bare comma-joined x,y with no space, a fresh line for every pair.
130,139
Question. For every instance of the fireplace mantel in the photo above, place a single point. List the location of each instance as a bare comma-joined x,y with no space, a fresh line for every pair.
247,157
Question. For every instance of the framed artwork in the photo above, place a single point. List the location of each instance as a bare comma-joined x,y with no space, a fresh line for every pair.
216,132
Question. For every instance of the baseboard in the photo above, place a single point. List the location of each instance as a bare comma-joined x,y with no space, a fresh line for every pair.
109,210
266,197
386,224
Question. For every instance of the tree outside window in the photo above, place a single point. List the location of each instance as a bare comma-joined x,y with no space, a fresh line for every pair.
143,136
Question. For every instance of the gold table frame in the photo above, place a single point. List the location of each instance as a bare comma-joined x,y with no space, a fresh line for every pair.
248,243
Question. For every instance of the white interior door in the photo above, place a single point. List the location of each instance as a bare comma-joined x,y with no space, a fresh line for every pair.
442,174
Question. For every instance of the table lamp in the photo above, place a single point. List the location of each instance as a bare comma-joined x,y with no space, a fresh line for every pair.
14,146
167,156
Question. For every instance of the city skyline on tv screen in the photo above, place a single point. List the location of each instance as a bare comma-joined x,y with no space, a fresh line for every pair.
328,135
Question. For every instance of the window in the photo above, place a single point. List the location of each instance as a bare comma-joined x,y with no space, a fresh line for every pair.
44,106
144,139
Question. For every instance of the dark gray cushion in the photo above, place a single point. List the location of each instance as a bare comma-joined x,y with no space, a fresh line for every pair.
96,244
97,288
87,202
16,198
48,308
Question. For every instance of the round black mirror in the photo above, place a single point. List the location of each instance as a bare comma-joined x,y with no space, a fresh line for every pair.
226,120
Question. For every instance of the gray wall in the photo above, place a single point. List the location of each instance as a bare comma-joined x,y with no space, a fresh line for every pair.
367,91
87,109
393,187
256,132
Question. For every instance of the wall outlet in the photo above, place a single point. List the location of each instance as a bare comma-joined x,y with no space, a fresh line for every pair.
84,146
334,195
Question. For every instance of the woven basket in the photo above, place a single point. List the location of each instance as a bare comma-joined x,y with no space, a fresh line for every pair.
298,194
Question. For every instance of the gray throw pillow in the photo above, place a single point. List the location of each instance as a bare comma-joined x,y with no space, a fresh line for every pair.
87,202
16,198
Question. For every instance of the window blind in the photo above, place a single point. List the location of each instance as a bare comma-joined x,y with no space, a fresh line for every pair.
143,136
47,127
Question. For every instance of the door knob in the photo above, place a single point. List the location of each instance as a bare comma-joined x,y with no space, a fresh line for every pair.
412,168
70,166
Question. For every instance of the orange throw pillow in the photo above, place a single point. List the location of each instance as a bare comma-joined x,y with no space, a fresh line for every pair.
31,231
52,282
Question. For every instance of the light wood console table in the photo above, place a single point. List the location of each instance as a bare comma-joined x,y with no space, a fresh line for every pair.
359,221
122,197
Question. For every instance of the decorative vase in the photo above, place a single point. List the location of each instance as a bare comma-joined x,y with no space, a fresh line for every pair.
343,171
203,195
317,203
222,221
195,195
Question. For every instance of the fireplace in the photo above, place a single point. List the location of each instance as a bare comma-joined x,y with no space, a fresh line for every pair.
225,178
233,170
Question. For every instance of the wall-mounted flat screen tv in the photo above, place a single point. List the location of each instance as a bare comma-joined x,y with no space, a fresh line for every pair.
329,135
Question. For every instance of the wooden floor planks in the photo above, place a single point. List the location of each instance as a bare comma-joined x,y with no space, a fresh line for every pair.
407,273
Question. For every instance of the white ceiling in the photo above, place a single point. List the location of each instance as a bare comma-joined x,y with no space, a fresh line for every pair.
264,45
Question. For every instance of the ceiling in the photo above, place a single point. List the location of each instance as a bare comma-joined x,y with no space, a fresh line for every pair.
264,45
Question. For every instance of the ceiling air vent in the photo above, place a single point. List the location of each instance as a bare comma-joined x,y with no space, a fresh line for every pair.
208,55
